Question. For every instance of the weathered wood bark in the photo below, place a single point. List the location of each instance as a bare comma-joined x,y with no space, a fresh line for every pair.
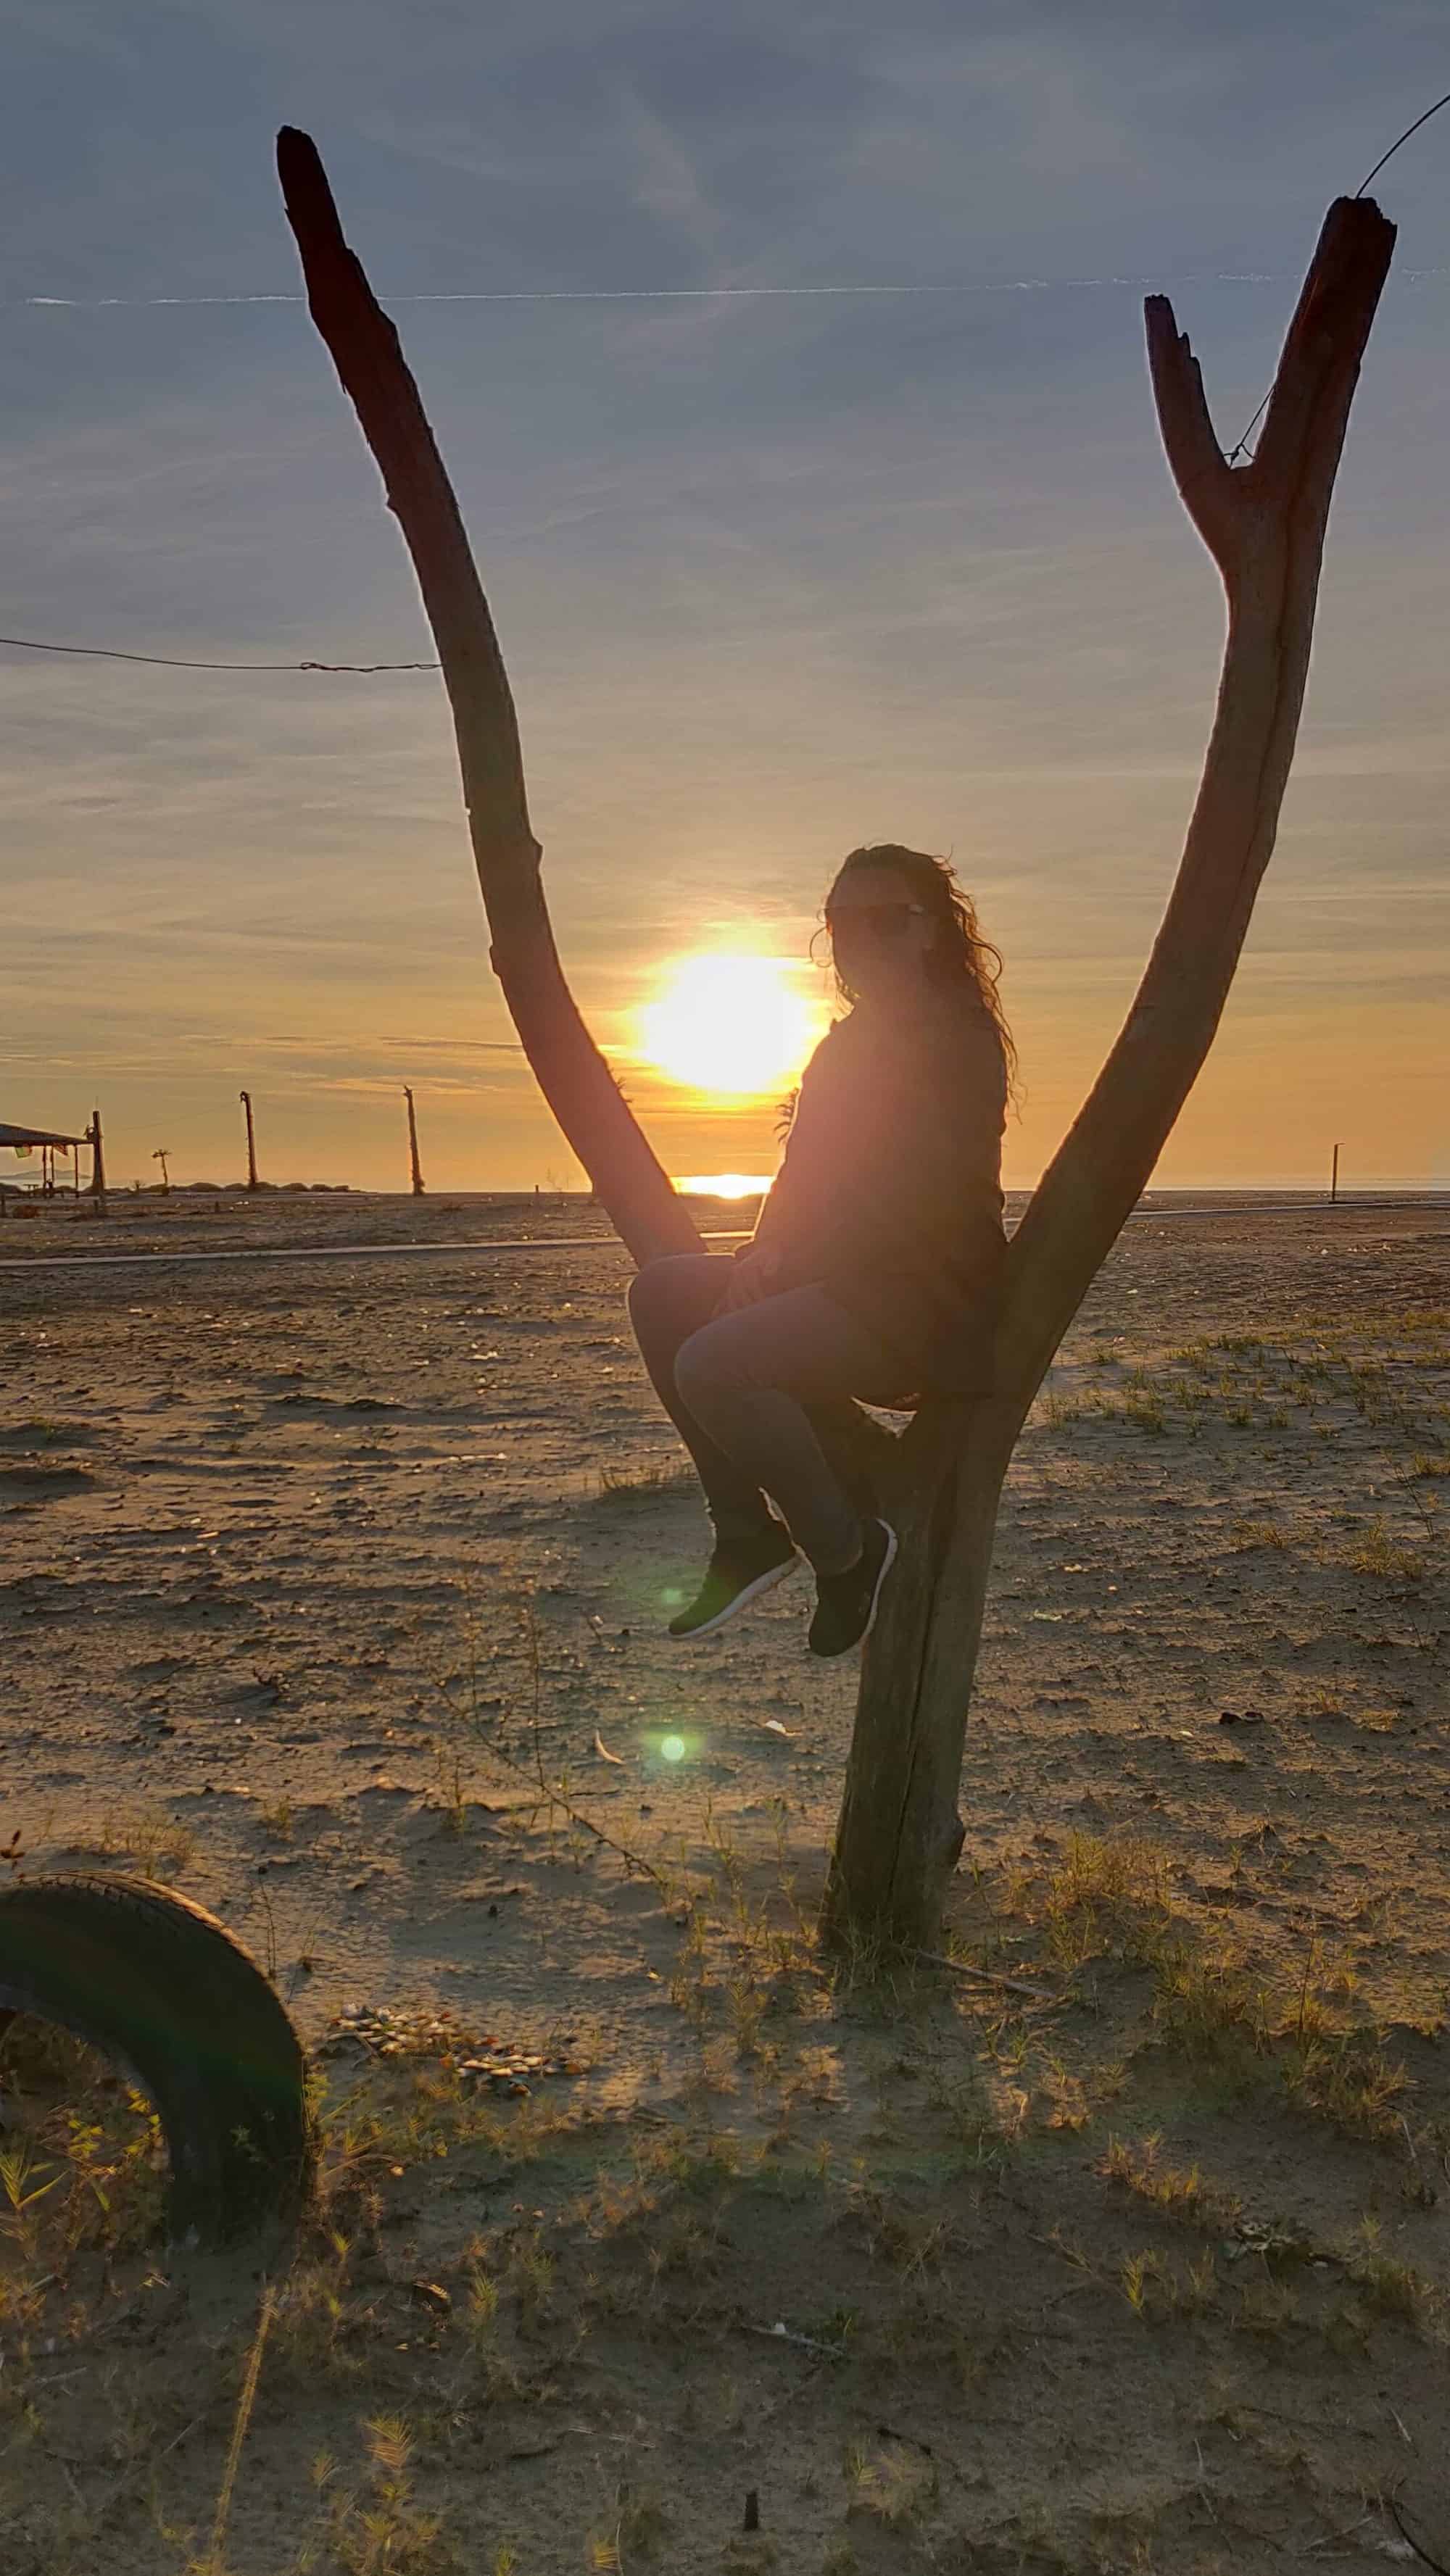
899,1834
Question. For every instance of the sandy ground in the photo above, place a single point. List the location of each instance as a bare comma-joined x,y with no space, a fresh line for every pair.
313,1573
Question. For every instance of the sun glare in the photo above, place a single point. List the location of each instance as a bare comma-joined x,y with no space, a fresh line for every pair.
730,1024
723,1185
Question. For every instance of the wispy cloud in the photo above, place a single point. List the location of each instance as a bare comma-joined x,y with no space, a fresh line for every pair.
791,376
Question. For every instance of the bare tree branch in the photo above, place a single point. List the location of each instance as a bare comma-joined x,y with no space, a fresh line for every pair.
1265,525
1200,469
571,1072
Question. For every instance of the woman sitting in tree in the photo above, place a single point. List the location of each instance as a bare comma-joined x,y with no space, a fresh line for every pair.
875,1267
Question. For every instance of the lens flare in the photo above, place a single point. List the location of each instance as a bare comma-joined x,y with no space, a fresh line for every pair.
672,1748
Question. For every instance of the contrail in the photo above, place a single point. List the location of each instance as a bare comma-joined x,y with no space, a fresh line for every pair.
623,294
670,294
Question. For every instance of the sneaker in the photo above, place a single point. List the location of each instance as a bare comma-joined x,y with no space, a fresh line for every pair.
739,1571
846,1603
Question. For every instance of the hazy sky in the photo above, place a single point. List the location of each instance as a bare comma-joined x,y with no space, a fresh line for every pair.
773,573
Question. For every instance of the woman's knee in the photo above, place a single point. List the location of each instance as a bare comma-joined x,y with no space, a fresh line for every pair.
702,1367
671,1293
651,1292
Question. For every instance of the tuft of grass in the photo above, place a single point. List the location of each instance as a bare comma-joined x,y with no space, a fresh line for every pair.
1209,2004
379,2529
1377,1553
1061,1409
635,2529
1251,1534
83,2168
1103,1896
642,1484
159,1845
1321,1702
1349,2081
1143,2278
1167,2188
1145,1412
1389,2287
895,2487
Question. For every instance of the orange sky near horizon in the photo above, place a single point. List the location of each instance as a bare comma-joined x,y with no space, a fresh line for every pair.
1280,1088
1296,1067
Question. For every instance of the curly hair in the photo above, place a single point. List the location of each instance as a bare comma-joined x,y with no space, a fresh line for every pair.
960,955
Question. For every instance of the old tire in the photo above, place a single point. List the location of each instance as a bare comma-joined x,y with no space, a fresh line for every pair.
158,1985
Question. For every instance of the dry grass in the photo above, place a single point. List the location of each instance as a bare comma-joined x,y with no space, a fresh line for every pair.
1192,2184
547,2254
644,1484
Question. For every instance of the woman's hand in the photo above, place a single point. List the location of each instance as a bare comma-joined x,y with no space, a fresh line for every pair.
755,1275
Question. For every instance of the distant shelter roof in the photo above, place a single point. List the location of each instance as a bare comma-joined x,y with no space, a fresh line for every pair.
36,1136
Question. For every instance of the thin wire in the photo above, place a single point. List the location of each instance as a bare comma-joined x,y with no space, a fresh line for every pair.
1235,452
173,662
1404,138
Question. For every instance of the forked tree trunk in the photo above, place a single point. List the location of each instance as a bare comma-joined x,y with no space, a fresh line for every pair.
899,1834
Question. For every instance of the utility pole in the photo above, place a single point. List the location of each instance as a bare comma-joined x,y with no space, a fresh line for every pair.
252,1181
98,1162
413,1143
1334,1178
160,1157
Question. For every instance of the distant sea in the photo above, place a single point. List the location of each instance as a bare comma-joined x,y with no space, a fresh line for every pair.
736,1189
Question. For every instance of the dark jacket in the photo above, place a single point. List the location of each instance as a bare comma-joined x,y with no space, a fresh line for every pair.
889,1193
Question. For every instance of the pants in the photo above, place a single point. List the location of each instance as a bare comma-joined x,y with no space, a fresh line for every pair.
751,1395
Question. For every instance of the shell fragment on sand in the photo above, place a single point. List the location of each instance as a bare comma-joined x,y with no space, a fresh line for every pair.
385,2030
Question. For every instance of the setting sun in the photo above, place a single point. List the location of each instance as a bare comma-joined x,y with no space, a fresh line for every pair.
730,1024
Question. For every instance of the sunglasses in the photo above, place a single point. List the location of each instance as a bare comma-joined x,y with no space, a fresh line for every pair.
872,920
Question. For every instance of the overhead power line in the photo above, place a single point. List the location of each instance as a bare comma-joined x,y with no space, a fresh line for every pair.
1403,138
519,295
179,662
